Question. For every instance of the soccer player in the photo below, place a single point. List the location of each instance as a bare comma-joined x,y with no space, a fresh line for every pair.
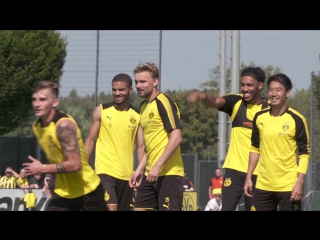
161,186
116,127
77,186
241,108
280,135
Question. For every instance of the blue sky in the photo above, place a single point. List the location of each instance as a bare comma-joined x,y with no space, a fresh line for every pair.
188,55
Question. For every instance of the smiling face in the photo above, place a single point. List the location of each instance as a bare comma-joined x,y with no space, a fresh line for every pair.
277,94
121,92
251,89
145,84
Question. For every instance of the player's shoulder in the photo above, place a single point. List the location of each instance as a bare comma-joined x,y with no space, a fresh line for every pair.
106,105
233,97
296,113
135,109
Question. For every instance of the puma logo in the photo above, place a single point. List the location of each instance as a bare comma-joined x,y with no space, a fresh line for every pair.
166,206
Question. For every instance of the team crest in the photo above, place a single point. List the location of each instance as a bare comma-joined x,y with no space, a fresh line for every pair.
133,120
227,182
253,208
295,207
166,199
106,196
285,126
151,114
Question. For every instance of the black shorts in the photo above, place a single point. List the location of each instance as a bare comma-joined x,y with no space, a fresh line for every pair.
273,201
232,190
90,202
117,192
165,195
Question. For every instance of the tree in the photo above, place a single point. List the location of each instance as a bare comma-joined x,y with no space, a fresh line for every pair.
26,57
199,125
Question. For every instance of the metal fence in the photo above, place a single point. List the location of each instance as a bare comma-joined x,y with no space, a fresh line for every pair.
94,57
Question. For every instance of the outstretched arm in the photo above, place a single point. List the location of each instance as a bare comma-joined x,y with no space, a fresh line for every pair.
207,99
71,162
93,130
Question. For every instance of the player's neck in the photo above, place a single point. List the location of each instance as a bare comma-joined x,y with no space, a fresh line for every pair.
122,106
256,100
46,119
278,110
153,95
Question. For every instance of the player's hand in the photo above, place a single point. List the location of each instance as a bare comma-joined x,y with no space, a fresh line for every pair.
32,168
194,96
248,188
153,174
296,193
135,179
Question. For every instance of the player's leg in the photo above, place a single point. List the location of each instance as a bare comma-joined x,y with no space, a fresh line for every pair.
170,189
285,204
124,195
264,201
58,203
109,184
93,201
232,189
248,200
146,198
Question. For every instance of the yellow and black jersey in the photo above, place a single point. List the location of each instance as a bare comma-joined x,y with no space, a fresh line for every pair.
68,185
278,140
241,114
116,141
8,182
158,119
22,181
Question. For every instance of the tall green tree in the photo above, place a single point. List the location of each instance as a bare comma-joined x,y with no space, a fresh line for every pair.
26,57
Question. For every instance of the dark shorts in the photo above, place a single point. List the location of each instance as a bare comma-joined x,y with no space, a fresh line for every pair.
117,192
273,201
164,195
90,202
232,190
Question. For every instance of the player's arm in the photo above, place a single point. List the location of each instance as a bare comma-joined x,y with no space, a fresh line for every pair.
175,139
136,177
140,143
303,143
253,161
209,191
67,136
93,130
207,99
